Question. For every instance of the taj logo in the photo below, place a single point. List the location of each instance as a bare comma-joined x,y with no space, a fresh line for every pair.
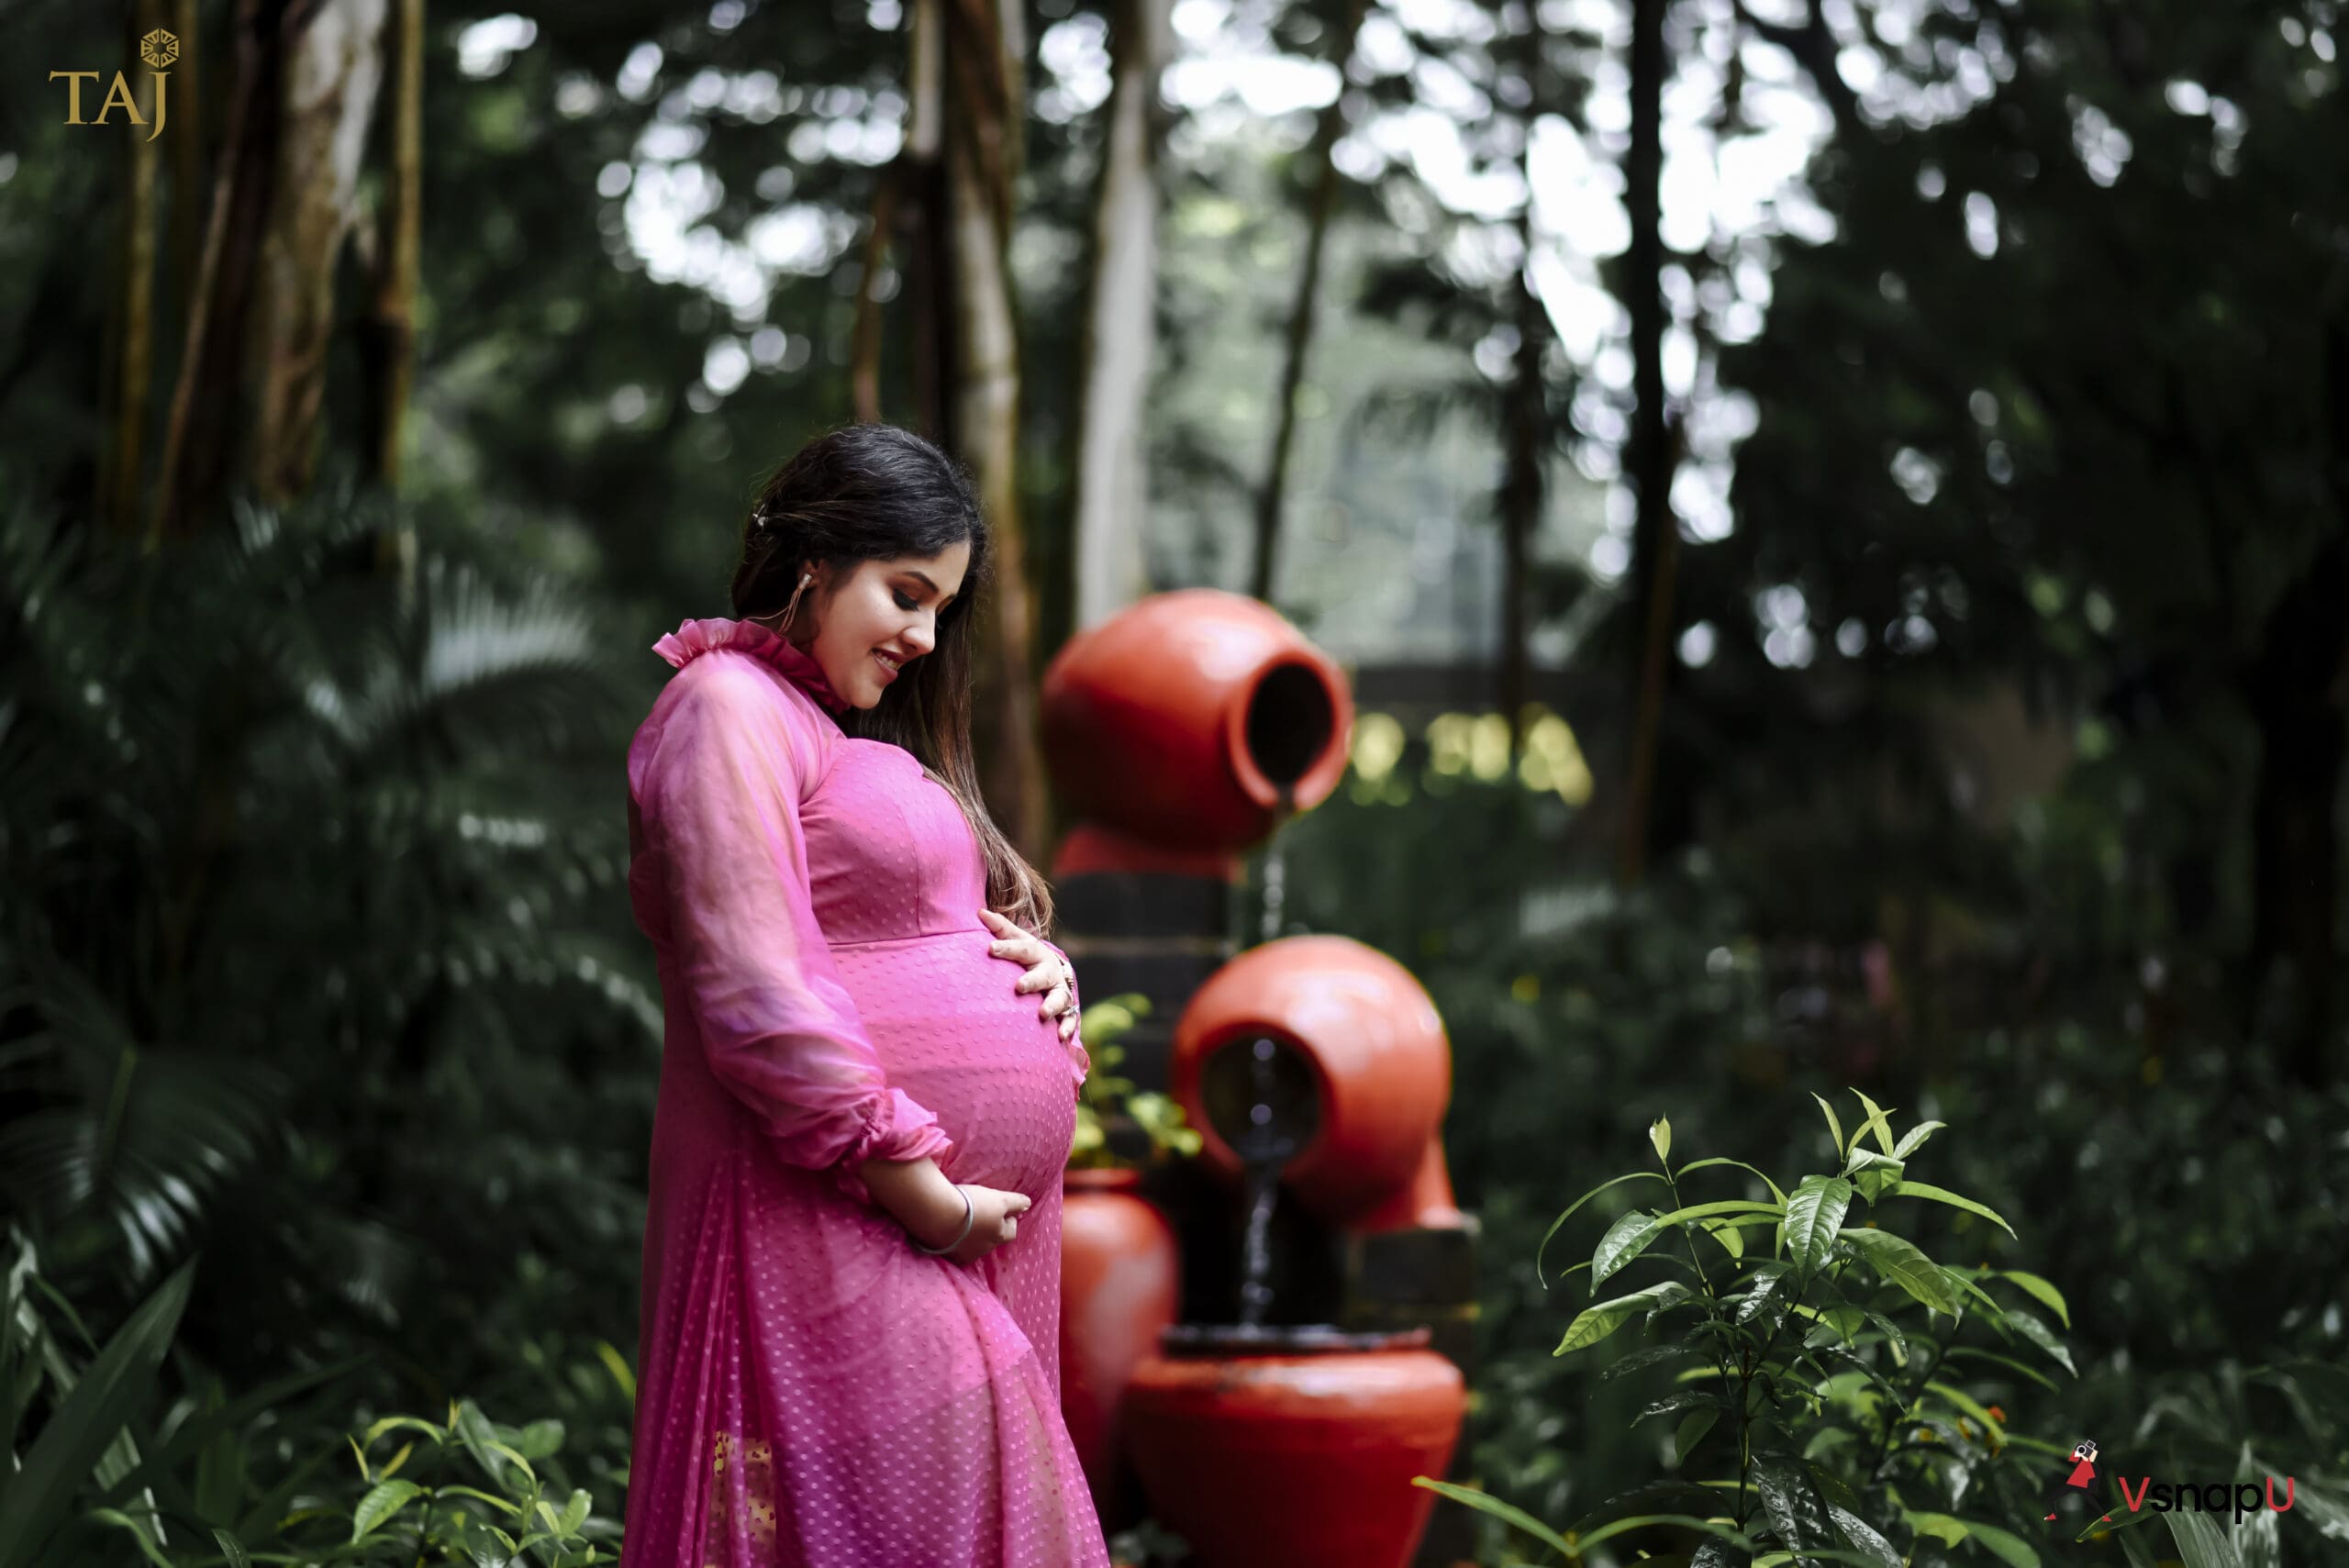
159,50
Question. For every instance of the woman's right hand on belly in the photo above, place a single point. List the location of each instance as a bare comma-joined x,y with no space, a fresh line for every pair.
930,1207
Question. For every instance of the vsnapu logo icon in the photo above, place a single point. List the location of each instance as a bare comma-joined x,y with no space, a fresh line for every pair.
159,50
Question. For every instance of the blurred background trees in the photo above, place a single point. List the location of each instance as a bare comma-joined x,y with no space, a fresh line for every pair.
1838,512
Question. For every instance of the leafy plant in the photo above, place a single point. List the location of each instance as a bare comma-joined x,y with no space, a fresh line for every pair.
1109,1102
1815,1416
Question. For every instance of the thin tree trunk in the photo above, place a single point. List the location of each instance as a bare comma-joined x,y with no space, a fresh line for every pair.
2299,693
930,273
980,158
394,322
1120,327
1655,535
135,369
208,392
187,165
1527,433
1273,495
865,339
334,69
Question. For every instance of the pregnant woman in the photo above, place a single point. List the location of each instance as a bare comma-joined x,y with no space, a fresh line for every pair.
849,1351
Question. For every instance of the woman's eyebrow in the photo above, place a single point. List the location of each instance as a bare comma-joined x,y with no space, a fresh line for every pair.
923,578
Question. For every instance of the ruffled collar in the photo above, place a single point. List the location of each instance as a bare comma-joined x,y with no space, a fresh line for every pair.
694,637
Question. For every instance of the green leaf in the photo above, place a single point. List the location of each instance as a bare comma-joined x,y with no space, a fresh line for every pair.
1702,1210
574,1512
514,1457
1725,1232
1880,1124
1914,1139
232,1549
1718,1160
2049,1297
1939,1195
1794,1509
1899,1262
1625,1240
1660,1135
2039,1334
539,1438
2005,1545
1641,1521
486,1547
475,1431
1971,1407
1692,1430
2200,1542
1861,1534
1967,1352
386,1498
1639,1361
1834,1128
1763,1285
1894,1340
47,1479
139,1532
1814,1214
1634,1176
1595,1323
1944,1527
409,1423
1485,1503
1873,1175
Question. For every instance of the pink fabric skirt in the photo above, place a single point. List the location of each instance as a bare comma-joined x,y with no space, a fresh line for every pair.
813,1392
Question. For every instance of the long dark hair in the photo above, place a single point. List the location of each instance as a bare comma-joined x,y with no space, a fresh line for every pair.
873,492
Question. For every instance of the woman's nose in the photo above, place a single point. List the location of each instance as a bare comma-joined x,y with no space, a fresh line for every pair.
921,637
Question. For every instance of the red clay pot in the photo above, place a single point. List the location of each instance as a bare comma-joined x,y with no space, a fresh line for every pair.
1381,1068
1119,1286
1182,719
1296,1462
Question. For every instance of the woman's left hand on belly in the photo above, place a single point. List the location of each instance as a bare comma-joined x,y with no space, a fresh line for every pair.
1045,972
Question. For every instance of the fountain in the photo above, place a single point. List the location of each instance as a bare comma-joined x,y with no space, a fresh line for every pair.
1327,1280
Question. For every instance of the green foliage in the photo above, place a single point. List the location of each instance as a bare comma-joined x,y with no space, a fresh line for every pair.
316,917
1108,1104
1815,1416
267,1477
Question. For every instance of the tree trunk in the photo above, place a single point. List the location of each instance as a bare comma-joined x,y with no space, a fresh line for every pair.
1655,538
1272,497
135,337
1526,435
334,67
187,165
2299,693
207,394
981,54
1120,324
930,273
394,327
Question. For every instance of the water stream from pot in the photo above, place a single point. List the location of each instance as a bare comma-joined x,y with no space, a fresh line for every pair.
1266,1147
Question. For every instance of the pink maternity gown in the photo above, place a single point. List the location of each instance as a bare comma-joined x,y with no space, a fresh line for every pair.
813,1392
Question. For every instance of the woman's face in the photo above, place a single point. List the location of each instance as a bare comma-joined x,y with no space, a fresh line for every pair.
882,616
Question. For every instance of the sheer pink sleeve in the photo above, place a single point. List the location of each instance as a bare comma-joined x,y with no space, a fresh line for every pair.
717,794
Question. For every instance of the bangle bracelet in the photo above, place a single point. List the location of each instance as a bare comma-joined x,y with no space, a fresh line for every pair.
970,1213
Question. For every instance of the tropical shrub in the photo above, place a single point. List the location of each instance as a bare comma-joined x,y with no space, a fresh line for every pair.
1814,1414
